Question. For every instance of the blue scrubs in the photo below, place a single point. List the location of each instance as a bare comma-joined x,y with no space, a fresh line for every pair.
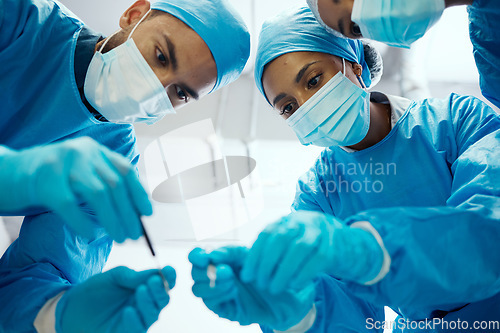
41,78
484,16
431,188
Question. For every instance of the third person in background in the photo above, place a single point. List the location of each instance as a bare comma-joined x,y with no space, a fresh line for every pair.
401,22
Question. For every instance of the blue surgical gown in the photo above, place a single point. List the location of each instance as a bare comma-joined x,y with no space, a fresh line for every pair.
431,188
484,16
40,104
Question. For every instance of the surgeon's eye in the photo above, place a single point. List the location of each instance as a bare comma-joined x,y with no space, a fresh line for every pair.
161,57
355,30
287,109
314,81
181,94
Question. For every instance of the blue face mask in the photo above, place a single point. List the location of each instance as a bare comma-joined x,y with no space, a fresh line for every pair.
396,22
336,115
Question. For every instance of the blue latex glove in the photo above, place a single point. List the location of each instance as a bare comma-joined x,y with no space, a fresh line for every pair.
62,175
120,300
293,251
243,302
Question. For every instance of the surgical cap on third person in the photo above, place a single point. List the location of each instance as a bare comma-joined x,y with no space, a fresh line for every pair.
297,30
222,29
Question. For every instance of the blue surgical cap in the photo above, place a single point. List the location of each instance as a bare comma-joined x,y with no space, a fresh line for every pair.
297,30
222,29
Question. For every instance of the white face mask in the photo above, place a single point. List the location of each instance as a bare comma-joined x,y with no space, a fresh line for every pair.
338,114
123,88
396,22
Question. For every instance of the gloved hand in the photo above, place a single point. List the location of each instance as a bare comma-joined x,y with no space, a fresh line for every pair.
120,300
62,175
243,302
293,251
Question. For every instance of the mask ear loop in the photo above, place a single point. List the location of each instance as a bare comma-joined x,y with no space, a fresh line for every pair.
360,79
129,36
140,21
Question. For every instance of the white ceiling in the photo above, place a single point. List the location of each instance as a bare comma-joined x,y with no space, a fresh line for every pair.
104,14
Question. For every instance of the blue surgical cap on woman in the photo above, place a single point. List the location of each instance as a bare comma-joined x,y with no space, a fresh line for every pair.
297,30
222,29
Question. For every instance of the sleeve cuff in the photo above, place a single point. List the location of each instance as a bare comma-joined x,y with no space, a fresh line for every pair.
45,321
304,325
386,264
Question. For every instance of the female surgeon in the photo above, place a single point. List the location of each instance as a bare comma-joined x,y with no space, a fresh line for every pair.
401,22
402,209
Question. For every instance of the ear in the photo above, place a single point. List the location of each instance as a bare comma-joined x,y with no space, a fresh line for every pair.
134,13
357,69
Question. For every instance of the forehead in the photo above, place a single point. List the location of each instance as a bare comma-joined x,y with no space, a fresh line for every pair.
195,61
294,59
285,68
337,4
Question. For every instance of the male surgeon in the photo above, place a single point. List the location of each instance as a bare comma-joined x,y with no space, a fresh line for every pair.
69,97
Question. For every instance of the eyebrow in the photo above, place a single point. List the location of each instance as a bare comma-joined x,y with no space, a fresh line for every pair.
278,98
173,59
341,27
301,73
190,91
299,77
171,52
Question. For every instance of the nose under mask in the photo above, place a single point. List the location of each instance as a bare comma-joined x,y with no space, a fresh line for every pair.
338,114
